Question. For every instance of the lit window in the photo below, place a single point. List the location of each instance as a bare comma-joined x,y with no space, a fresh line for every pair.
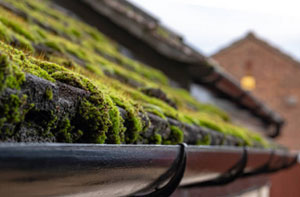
248,82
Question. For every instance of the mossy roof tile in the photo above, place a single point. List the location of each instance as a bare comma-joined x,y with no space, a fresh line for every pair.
91,92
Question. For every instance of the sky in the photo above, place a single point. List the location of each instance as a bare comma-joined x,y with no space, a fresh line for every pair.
210,25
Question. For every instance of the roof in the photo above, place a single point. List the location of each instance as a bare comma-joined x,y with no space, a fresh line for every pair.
64,81
254,38
164,49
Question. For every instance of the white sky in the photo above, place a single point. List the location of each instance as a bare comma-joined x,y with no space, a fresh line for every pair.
212,24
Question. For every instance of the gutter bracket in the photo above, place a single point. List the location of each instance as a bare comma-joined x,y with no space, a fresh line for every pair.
232,174
174,182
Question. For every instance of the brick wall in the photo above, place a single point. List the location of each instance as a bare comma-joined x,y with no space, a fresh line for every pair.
277,81
278,85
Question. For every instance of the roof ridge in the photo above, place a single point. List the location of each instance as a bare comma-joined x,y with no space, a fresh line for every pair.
253,37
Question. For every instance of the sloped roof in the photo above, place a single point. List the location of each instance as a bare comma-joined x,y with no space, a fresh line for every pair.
64,81
126,23
254,38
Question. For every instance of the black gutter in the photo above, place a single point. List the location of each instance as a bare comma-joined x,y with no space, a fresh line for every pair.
122,170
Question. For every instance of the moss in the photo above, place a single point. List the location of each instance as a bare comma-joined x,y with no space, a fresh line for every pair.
155,139
116,133
49,123
16,27
40,32
34,69
175,137
162,32
22,43
53,45
11,75
86,59
49,67
94,121
218,125
185,101
206,140
134,123
11,112
79,53
68,78
49,93
154,110
143,70
12,108
75,33
64,131
4,33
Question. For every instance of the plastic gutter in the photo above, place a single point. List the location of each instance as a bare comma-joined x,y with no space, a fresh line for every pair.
122,170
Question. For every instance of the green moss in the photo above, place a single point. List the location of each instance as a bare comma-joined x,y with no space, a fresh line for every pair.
175,137
11,112
4,33
23,43
49,67
162,32
11,75
206,140
69,78
134,123
34,69
49,123
64,131
49,93
154,110
94,121
16,27
12,108
53,45
76,62
155,139
116,133
40,32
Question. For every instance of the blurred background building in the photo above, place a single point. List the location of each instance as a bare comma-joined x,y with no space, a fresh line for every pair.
274,77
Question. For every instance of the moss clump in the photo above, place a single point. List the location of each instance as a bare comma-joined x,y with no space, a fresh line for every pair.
154,110
175,137
17,28
94,121
12,112
155,139
116,133
98,110
49,93
11,109
53,45
69,78
133,122
82,57
206,140
63,133
4,33
11,75
22,43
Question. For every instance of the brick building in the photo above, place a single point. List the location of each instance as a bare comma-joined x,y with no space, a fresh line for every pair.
276,78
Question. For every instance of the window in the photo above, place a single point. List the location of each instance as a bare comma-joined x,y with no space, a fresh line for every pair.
248,81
